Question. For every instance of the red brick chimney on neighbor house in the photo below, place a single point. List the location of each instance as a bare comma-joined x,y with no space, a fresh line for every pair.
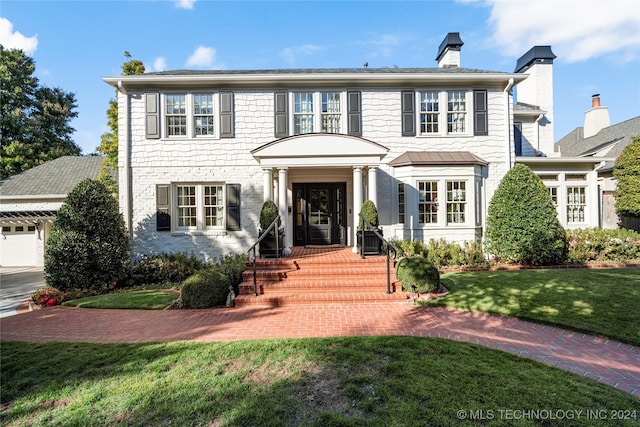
596,118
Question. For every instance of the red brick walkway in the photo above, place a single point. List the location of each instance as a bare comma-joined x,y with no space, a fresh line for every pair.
603,360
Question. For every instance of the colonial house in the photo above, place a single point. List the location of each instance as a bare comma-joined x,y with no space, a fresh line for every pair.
599,138
29,203
200,151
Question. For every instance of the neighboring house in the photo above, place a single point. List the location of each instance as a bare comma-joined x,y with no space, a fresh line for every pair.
30,201
200,151
598,138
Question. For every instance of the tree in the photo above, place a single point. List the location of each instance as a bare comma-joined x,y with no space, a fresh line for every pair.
34,120
109,140
627,171
522,223
89,246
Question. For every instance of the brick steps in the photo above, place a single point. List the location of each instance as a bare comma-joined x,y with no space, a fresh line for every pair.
319,278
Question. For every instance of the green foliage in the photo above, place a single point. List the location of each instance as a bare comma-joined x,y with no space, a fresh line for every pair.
205,289
409,248
268,214
89,245
595,244
416,274
109,140
370,213
164,269
34,119
232,266
627,171
48,296
441,253
522,223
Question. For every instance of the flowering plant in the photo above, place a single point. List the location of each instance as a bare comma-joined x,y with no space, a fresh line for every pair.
48,296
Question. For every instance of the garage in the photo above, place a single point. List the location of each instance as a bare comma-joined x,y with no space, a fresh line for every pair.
18,245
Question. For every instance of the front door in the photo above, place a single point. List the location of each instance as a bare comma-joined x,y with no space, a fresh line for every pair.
319,214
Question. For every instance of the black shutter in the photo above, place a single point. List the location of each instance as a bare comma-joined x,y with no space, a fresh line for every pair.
233,207
408,113
354,113
281,117
481,116
226,115
152,115
163,207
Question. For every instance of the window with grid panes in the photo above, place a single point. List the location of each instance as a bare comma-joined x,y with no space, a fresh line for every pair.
203,118
401,203
576,202
331,113
213,206
187,207
456,111
429,112
456,201
428,202
176,115
303,113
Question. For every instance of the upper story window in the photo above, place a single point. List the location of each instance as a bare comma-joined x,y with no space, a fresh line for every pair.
456,111
176,115
429,112
317,112
203,118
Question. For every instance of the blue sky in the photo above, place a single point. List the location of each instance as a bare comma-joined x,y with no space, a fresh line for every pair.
76,43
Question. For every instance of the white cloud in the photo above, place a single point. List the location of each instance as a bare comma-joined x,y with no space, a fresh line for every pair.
15,40
576,30
202,57
383,45
159,64
185,4
290,54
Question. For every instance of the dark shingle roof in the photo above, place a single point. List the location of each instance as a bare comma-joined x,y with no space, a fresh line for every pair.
431,158
431,70
58,176
618,136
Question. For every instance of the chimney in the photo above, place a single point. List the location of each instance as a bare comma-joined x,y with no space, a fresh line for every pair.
595,119
449,51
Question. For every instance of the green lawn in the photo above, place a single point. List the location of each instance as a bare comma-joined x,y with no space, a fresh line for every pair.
599,301
150,299
358,381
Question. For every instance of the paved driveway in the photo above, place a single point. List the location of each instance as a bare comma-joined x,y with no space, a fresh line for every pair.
16,285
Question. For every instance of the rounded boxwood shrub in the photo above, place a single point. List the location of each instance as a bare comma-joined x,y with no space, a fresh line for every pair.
88,249
370,213
416,274
268,214
522,223
205,289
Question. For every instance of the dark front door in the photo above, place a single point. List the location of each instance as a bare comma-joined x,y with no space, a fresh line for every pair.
319,214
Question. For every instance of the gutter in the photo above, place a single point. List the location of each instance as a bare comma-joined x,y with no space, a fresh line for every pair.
124,148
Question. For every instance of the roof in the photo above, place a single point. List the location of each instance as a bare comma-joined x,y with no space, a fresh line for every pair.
617,137
432,158
538,54
56,177
522,109
452,41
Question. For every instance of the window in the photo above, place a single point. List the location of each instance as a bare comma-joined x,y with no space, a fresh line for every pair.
456,111
553,192
331,112
429,112
456,201
576,202
176,115
200,206
401,203
6,229
203,118
428,202
187,207
303,113
213,206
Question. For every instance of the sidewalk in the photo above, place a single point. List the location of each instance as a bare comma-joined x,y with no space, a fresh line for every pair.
603,360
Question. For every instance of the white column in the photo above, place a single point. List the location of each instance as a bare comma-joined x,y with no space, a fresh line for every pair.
357,203
373,184
282,205
267,185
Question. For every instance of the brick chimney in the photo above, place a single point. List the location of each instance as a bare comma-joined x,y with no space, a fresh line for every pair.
597,118
449,51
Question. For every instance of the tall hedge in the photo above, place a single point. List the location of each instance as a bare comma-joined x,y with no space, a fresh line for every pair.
627,171
522,223
89,245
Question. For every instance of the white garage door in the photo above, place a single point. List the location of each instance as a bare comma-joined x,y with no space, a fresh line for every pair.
18,246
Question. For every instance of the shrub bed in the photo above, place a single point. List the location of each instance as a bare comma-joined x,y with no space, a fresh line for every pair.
598,245
443,254
164,269
205,289
417,274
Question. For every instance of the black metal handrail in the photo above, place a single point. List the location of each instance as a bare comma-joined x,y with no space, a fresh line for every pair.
273,225
365,225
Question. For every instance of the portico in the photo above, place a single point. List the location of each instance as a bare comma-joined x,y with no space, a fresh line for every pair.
318,183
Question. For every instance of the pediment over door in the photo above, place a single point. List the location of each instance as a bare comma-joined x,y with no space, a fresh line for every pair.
320,150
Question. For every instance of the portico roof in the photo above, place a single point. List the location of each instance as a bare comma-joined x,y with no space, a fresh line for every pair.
320,149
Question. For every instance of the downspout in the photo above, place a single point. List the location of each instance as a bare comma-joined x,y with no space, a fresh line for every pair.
538,131
599,193
123,148
507,113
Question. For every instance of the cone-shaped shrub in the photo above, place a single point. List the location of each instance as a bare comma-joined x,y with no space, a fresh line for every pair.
89,246
522,223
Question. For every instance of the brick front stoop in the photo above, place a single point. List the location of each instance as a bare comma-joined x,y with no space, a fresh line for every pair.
319,276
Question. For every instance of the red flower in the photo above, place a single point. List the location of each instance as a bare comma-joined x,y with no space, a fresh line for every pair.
51,302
